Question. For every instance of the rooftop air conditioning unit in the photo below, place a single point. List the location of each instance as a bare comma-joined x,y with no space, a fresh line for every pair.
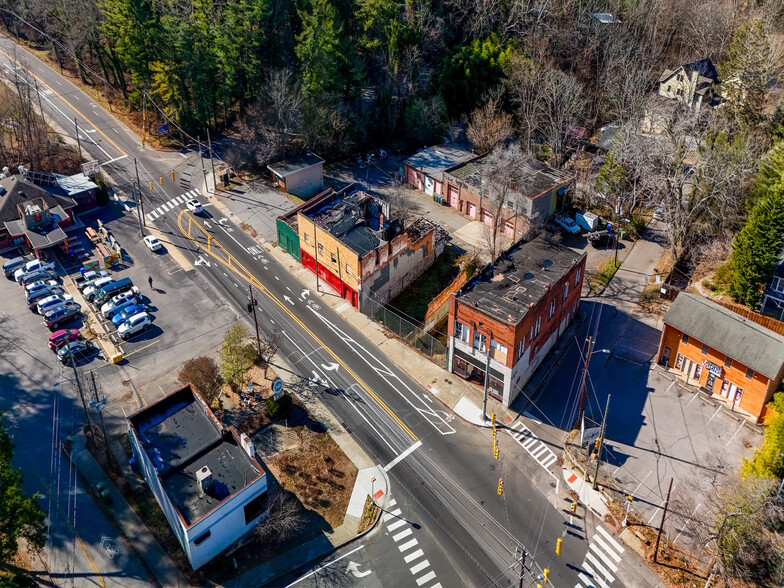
204,478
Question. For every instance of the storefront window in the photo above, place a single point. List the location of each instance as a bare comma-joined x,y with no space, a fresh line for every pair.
460,367
495,388
679,362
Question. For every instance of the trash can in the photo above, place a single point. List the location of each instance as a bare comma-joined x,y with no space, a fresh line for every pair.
622,234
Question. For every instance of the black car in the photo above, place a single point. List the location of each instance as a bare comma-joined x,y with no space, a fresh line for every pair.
36,275
76,350
62,315
600,239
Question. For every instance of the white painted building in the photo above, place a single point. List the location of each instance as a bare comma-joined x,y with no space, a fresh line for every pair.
205,478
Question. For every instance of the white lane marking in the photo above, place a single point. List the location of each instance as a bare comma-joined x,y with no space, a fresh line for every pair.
392,502
609,538
426,578
535,447
419,567
171,203
391,514
179,200
115,159
319,568
597,579
402,456
586,580
605,561
396,525
412,556
401,535
595,563
597,540
407,546
436,585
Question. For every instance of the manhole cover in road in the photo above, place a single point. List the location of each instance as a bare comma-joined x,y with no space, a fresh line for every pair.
314,305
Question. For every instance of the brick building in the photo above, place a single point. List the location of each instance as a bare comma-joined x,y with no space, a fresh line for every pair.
539,194
723,353
425,170
348,238
512,313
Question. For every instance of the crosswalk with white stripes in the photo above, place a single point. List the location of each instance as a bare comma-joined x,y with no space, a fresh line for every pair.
601,561
401,532
535,447
172,204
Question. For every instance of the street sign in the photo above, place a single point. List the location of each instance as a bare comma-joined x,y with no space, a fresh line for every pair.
591,435
90,168
162,129
250,387
277,389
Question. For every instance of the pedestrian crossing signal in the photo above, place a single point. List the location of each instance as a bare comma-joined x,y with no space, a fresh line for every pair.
574,506
500,486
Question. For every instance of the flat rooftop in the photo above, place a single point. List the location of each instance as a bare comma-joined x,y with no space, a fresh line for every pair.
433,161
294,164
518,279
536,177
180,438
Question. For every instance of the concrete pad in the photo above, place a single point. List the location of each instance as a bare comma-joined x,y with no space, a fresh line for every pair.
363,487
472,233
469,411
591,498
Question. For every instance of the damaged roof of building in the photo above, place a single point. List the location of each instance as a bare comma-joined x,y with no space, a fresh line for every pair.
180,438
737,337
536,177
518,279
433,161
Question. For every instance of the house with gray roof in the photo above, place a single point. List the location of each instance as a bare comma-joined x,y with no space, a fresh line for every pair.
692,84
301,175
425,170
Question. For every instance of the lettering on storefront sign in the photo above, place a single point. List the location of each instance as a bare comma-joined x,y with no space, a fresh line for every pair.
712,368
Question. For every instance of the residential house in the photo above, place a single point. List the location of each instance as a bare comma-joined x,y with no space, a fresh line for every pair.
693,84
349,241
725,354
205,477
537,195
504,320
773,298
425,170
301,175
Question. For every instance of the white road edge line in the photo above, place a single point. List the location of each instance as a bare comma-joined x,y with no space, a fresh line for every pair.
402,456
297,581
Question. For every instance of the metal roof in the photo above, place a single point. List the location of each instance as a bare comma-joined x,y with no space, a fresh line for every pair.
735,336
434,161
294,164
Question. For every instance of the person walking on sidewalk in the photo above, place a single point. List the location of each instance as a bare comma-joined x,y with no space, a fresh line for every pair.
149,281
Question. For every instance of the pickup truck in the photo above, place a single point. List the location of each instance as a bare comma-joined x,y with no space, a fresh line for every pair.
88,278
31,266
567,224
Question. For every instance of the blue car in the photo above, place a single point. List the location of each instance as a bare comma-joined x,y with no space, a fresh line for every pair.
127,313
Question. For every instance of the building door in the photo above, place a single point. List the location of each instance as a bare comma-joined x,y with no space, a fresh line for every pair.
665,360
709,382
452,196
471,210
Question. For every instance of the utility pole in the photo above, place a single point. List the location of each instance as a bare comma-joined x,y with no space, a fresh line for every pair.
78,140
79,386
522,569
661,525
599,445
487,380
98,407
139,184
212,161
315,243
201,159
138,208
581,409
255,321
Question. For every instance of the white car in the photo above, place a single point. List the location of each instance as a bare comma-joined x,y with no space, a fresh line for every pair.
152,242
39,284
90,290
136,324
52,302
567,224
128,296
194,206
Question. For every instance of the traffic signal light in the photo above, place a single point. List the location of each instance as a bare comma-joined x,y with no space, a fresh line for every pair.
161,180
500,486
598,442
574,506
494,431
558,544
546,578
492,422
172,175
495,449
152,185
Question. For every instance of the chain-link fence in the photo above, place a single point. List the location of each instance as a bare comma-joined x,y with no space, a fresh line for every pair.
410,333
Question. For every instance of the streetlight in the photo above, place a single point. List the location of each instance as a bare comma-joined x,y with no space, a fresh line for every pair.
372,487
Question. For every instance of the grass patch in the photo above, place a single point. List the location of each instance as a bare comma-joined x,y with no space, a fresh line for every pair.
606,272
368,515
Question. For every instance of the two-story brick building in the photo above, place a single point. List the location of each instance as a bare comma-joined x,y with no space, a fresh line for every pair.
723,353
513,312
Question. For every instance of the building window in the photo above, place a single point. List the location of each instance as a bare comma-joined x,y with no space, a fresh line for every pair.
679,362
520,348
497,346
536,326
255,507
479,341
321,249
749,374
307,238
680,92
778,284
685,338
577,276
348,270
566,291
334,258
697,372
552,308
669,88
202,538
728,362
495,387
704,349
460,367
738,394
461,332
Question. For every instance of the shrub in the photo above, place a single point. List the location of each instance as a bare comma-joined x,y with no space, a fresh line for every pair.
636,225
277,409
237,355
203,372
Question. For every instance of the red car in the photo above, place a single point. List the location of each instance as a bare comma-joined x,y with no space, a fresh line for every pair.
63,336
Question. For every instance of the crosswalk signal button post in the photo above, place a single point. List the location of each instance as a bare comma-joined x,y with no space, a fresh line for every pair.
558,544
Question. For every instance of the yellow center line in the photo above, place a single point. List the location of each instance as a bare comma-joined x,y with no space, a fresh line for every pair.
233,265
56,93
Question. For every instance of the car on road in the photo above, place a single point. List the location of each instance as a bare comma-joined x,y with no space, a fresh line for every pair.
63,336
134,325
31,266
52,302
152,242
567,224
34,297
62,315
10,266
88,278
89,291
126,313
37,275
40,285
75,350
194,206
114,302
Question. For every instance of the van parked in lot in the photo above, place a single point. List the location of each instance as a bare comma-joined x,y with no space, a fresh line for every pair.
10,266
89,291
109,290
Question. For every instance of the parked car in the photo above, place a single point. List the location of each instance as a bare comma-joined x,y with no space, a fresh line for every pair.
126,313
567,224
128,296
39,285
152,242
119,308
10,266
89,291
194,206
37,275
109,291
34,297
134,325
62,315
599,239
52,302
63,336
75,350
31,266
88,278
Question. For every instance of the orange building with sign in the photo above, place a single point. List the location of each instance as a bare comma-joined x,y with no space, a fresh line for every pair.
722,353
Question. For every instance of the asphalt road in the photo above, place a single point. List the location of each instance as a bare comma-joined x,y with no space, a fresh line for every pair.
447,480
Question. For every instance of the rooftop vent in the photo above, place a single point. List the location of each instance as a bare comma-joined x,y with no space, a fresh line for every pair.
204,478
529,276
547,263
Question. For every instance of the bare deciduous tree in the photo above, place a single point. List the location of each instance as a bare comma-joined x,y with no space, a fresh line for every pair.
524,82
285,518
501,173
563,104
283,100
489,124
205,375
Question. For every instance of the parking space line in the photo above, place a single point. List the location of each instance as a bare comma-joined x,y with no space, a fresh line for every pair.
735,433
718,410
